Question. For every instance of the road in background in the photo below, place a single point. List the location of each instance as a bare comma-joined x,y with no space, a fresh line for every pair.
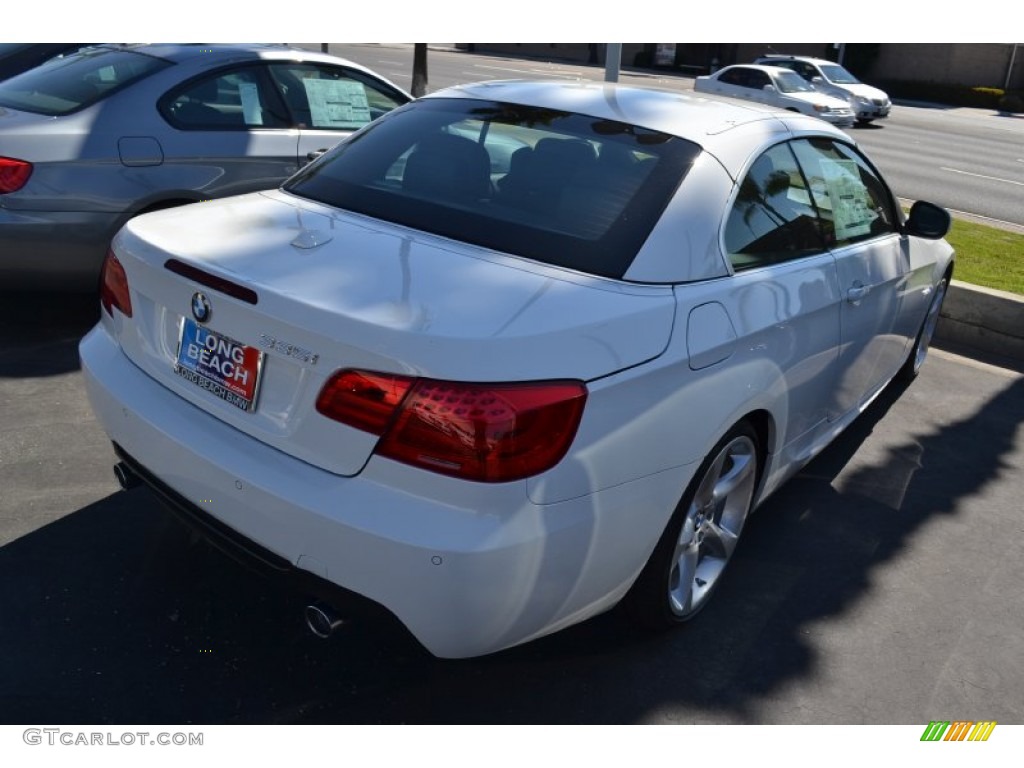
968,160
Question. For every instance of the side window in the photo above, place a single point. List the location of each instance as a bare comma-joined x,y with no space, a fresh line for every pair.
732,77
332,98
758,79
740,77
853,201
772,218
806,71
227,100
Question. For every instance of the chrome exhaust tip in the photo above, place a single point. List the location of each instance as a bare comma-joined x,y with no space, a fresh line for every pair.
322,619
126,478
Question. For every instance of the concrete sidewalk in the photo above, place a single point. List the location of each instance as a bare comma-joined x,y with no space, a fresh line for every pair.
983,320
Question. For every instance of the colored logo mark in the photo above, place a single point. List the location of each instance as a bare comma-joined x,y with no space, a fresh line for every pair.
958,730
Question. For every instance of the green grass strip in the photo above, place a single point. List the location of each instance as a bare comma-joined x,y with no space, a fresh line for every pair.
986,256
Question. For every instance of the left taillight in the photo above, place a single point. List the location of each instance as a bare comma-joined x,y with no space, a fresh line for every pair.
114,287
485,432
13,174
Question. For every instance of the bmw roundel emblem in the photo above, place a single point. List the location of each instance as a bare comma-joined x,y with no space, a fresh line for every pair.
201,309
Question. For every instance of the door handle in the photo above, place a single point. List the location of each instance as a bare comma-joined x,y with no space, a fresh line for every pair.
311,156
857,292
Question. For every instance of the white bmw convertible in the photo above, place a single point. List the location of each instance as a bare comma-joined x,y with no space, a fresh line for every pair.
515,352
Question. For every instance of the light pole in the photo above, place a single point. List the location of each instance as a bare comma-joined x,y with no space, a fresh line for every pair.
612,60
419,69
1009,69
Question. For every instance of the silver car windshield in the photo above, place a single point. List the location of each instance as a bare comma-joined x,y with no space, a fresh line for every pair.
791,82
553,186
838,75
71,83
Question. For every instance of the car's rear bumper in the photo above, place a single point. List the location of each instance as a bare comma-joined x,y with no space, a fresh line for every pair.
53,250
468,568
246,551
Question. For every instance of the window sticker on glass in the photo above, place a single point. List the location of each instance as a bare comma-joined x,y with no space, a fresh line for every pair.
337,103
251,109
851,208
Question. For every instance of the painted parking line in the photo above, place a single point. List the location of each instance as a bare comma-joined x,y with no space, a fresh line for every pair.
531,73
553,70
983,176
500,69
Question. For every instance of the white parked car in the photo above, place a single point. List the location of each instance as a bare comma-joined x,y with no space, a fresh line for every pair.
867,102
777,87
499,393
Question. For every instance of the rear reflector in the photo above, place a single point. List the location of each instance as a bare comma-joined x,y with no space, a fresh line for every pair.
485,432
114,287
13,174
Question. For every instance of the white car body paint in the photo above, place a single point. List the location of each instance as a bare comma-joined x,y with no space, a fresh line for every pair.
673,355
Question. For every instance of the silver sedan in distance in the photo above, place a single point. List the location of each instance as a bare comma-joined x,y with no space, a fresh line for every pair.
776,87
498,392
89,140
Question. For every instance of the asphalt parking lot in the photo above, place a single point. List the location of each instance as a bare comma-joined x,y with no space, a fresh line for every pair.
884,584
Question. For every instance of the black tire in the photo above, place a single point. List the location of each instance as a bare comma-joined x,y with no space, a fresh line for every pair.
687,564
919,352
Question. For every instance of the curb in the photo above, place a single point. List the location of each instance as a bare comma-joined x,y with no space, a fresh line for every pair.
984,320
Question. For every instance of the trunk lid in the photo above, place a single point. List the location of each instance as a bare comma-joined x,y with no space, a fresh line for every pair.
335,290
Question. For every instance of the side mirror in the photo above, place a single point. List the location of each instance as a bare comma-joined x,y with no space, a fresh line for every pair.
817,80
927,220
768,89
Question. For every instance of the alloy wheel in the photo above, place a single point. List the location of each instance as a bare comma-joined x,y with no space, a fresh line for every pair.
712,526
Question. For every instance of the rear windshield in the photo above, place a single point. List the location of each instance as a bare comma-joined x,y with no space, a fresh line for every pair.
70,83
558,187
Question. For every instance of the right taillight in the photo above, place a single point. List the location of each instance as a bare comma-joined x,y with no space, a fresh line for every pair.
13,174
114,287
484,432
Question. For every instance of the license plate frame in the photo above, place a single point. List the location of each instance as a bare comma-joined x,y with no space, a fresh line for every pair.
219,364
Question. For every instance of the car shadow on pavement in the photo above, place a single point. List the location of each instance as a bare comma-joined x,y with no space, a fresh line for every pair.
118,614
113,614
39,332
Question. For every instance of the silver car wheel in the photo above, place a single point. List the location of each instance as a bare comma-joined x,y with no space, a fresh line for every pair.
928,329
712,525
919,352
